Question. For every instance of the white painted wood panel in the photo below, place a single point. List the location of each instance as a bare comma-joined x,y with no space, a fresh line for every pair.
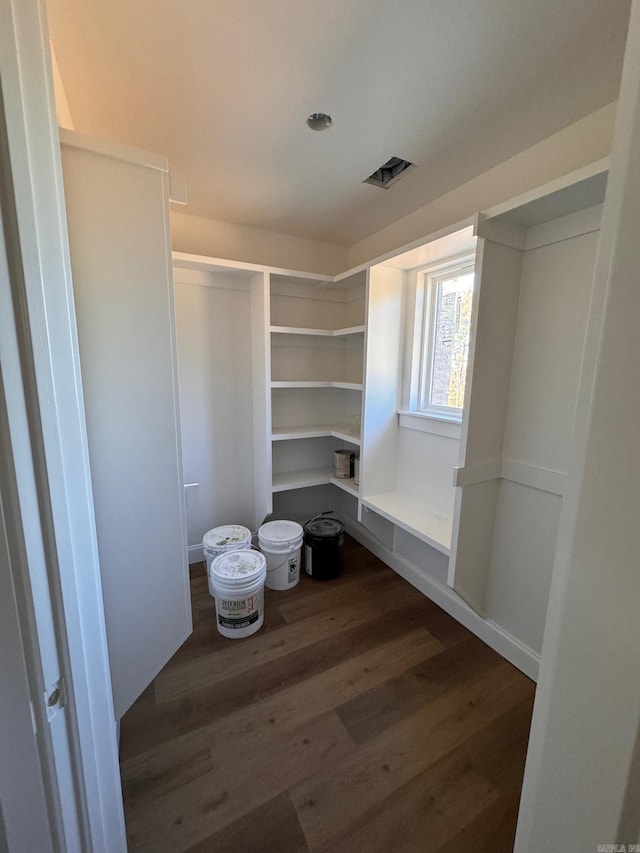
525,533
261,371
217,401
120,252
472,542
552,317
383,360
493,325
425,469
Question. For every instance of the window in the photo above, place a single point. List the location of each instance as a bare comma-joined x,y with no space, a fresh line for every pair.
443,323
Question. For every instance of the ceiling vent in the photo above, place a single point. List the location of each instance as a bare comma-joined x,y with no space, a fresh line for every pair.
389,173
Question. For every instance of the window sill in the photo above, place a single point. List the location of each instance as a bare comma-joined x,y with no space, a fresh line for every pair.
434,424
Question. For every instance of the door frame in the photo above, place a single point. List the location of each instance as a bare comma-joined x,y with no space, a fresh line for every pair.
62,620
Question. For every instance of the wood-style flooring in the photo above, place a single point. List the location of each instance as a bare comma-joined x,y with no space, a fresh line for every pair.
360,718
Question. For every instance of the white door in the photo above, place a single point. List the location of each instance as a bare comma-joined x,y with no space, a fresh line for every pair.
117,212
24,819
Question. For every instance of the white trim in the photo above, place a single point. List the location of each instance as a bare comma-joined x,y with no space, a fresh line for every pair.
543,479
501,231
435,424
196,554
577,224
533,476
581,174
92,144
469,474
186,260
520,655
401,258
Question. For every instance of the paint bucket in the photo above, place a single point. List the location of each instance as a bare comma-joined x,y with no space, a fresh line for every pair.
237,579
356,471
281,543
221,540
323,541
343,464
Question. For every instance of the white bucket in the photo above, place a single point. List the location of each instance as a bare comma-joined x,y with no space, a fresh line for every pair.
221,540
237,579
281,543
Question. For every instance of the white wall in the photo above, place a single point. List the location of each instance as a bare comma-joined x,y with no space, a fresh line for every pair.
216,403
425,468
552,318
216,239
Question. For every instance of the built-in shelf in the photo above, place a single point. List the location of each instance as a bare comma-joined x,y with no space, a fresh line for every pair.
285,481
327,333
346,485
348,386
406,512
341,431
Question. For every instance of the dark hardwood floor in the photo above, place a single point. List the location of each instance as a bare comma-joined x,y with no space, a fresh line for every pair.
360,718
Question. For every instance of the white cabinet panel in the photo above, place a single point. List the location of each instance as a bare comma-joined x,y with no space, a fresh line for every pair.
552,318
117,211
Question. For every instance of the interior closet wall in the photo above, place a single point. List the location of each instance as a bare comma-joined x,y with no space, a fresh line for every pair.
213,326
552,318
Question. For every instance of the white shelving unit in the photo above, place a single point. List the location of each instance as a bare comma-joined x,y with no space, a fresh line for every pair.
316,378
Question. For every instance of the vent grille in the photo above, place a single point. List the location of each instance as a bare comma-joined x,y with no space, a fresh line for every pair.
390,172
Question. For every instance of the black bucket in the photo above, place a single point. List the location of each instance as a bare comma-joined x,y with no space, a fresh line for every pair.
323,541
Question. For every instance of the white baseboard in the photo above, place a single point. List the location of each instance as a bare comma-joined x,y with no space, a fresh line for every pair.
521,656
195,554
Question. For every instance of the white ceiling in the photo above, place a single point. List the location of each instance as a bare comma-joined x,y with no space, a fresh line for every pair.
223,88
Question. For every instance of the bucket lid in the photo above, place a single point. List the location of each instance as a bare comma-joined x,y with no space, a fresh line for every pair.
280,532
227,536
238,566
324,528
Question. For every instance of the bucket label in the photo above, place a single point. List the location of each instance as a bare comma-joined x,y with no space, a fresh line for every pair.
239,612
307,559
293,570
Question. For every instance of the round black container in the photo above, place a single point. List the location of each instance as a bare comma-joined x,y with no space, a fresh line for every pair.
323,541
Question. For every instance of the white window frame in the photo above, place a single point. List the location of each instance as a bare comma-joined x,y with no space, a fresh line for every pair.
428,280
